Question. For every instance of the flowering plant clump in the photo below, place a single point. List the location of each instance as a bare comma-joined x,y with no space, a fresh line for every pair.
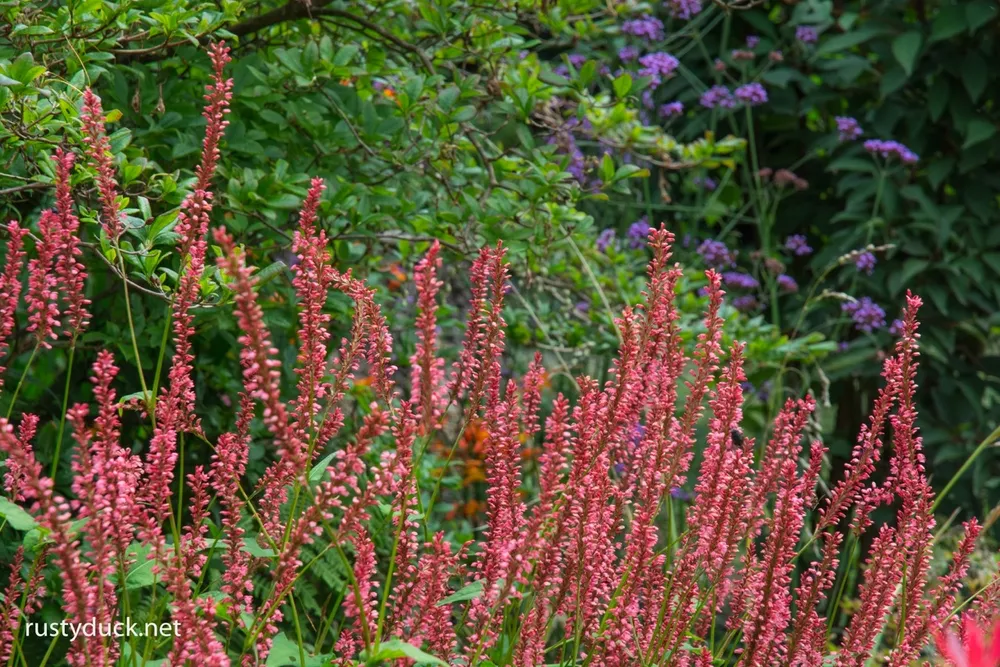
610,547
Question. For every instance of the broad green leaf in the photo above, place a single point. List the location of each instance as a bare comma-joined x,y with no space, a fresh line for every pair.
950,21
16,516
251,547
974,74
848,40
978,129
906,48
467,592
285,653
622,85
397,648
979,12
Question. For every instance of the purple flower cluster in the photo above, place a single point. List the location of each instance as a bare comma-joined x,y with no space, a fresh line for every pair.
797,244
717,97
658,66
716,254
806,34
638,233
683,9
671,109
867,314
740,280
605,240
745,303
865,262
567,145
752,41
896,328
628,53
888,149
848,128
576,60
649,28
787,283
751,94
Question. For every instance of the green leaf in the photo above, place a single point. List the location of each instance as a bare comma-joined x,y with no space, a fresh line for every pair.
974,75
397,648
906,48
345,54
16,516
893,79
938,96
251,547
848,40
622,85
950,21
269,272
318,470
979,12
285,652
848,163
607,169
467,592
978,130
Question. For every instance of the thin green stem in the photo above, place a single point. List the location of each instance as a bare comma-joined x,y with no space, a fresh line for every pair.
989,440
62,414
135,343
17,390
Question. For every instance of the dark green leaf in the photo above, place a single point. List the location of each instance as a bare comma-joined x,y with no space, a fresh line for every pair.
906,48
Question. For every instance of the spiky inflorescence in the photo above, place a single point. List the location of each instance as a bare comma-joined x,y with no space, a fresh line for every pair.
43,294
99,152
428,391
10,287
70,271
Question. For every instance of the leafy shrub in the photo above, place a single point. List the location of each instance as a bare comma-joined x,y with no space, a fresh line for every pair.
616,559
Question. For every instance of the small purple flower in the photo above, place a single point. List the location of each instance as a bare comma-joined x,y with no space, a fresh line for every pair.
865,262
677,493
566,144
867,314
671,109
745,303
752,94
704,182
638,431
888,149
842,346
806,34
582,307
683,9
747,387
628,53
647,99
787,284
764,392
896,328
716,254
797,244
752,41
577,60
658,66
740,280
649,28
848,128
717,96
638,232
605,239
776,56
